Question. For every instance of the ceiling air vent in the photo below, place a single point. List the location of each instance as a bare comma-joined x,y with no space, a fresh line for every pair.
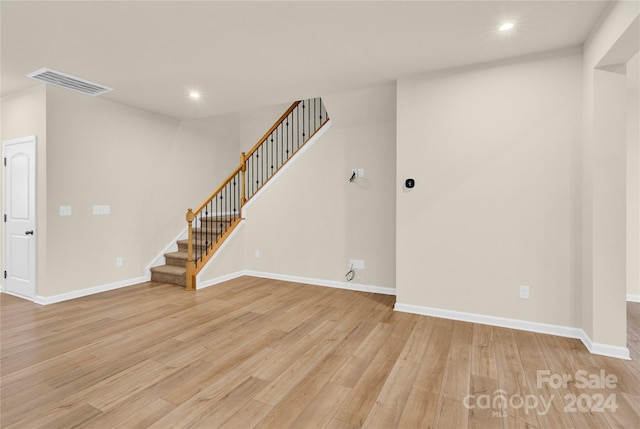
73,83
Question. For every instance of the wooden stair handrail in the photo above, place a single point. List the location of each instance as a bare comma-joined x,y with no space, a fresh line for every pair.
272,129
283,164
218,189
244,156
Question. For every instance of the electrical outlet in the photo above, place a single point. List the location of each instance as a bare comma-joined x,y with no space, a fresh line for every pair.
524,292
360,172
119,262
65,210
356,264
101,210
257,253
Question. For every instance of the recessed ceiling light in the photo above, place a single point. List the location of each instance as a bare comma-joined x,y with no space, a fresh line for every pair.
506,26
195,95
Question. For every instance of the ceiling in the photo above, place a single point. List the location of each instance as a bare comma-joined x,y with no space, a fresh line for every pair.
242,55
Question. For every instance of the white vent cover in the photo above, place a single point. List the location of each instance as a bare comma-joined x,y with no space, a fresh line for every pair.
73,83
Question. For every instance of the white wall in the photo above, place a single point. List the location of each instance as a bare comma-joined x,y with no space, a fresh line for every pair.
633,177
100,153
492,149
603,215
254,123
311,220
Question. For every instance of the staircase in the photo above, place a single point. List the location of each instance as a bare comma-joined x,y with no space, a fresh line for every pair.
211,224
175,269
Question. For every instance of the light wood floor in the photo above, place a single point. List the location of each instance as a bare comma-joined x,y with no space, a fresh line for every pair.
269,354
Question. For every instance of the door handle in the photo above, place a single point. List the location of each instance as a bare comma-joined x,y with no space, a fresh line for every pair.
28,232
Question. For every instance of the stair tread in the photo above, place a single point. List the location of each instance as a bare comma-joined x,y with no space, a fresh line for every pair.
169,269
211,230
219,218
186,242
176,255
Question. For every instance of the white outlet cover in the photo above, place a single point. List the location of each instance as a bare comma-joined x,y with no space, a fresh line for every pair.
356,264
524,292
119,262
65,210
101,210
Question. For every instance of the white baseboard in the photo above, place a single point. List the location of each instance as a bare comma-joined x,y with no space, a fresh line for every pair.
609,350
523,325
46,300
218,280
296,279
6,292
633,298
321,282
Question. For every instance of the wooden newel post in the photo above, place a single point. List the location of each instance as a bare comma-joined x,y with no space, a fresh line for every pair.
243,167
190,263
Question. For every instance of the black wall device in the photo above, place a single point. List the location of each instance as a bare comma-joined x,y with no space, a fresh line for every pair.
409,183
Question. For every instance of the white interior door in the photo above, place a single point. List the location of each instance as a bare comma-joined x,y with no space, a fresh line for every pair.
19,238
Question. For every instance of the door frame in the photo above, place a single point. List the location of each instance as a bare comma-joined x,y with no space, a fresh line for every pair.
34,140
